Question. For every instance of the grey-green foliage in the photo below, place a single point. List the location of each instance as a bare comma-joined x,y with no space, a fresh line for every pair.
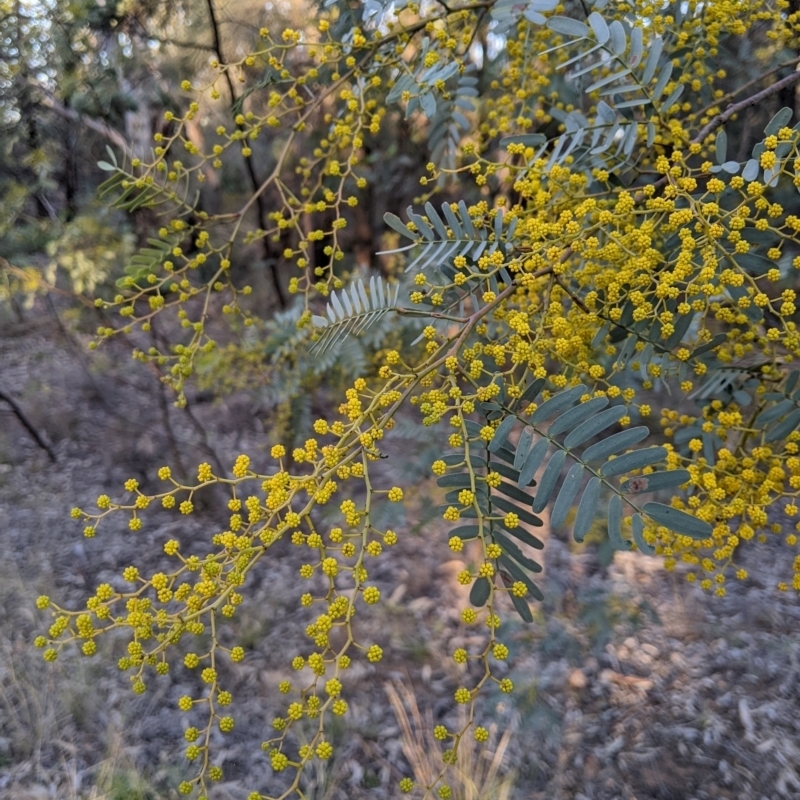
147,260
637,78
372,11
129,194
452,233
606,458
781,418
449,123
559,430
421,85
515,564
351,313
289,367
506,13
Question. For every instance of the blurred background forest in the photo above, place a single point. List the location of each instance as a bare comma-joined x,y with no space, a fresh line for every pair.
631,685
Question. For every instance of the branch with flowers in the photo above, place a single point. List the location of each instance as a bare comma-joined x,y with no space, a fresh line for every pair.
608,309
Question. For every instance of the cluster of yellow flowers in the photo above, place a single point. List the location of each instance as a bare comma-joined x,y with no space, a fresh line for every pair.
166,610
679,283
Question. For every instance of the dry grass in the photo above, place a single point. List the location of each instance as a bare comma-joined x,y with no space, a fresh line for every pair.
48,714
476,775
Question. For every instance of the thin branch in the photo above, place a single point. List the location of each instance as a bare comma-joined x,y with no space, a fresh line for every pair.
575,299
103,128
723,117
204,443
169,41
251,173
735,108
745,86
163,407
27,424
159,339
344,78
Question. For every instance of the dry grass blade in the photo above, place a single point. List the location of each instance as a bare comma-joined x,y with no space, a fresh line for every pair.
476,774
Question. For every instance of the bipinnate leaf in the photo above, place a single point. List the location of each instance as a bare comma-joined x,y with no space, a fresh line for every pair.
421,224
522,607
532,462
523,513
458,480
511,490
523,445
523,536
568,27
465,532
775,412
501,433
574,416
527,139
505,470
511,549
779,121
715,342
531,390
655,481
519,574
599,27
619,42
637,47
614,443
653,57
783,428
394,222
436,220
350,314
635,460
557,402
721,147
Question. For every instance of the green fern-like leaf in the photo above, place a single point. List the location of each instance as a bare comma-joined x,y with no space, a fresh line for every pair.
147,261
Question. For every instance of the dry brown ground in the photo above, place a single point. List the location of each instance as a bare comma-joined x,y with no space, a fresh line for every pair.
630,684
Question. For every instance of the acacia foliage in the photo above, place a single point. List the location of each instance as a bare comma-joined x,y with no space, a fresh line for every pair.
586,241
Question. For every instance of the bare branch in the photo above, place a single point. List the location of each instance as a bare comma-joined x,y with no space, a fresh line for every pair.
735,108
98,126
27,424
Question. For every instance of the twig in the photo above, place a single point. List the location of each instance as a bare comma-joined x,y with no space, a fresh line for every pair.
159,339
251,173
163,406
170,41
575,299
745,86
103,128
724,116
735,108
27,424
203,434
478,315
414,312
76,348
